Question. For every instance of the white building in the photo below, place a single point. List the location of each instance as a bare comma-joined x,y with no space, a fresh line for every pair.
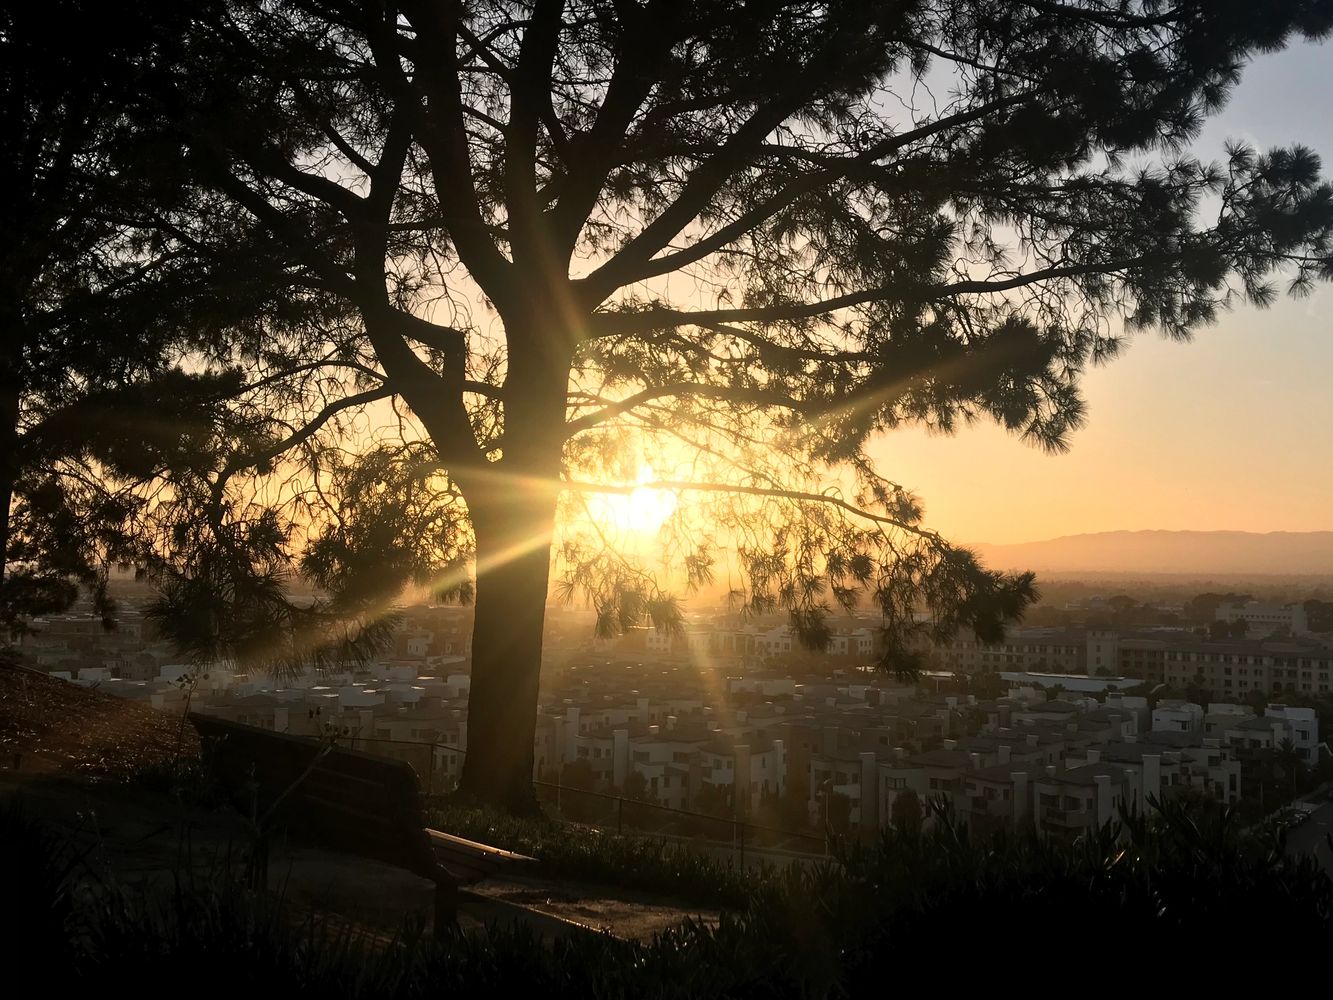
1304,728
1080,799
853,776
1240,727
1173,716
860,642
774,642
1265,619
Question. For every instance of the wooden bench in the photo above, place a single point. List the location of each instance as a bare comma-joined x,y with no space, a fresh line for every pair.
343,800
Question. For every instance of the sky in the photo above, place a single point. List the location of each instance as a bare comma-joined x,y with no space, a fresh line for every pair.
1233,430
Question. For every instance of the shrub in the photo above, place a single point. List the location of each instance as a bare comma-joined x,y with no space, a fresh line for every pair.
936,902
590,854
38,910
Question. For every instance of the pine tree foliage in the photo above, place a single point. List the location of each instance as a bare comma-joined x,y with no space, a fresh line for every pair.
109,373
549,242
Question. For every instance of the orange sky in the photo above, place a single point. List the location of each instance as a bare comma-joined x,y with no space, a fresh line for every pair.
1234,430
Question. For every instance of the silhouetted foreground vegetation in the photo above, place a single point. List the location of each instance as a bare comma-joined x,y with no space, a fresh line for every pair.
592,855
914,903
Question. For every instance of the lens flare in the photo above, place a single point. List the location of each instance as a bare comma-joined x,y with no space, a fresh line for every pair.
643,510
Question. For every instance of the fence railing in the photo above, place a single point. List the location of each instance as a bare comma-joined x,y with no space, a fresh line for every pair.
421,754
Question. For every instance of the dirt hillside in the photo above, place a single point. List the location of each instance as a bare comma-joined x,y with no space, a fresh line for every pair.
79,730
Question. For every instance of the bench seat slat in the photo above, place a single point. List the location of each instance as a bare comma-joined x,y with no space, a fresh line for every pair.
447,841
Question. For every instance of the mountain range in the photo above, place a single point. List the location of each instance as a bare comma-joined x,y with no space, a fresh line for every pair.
1176,552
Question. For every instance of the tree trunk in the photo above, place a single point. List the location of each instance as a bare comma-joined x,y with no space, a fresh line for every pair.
513,530
9,437
512,507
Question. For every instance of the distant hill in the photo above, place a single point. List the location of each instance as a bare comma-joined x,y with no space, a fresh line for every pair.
1217,552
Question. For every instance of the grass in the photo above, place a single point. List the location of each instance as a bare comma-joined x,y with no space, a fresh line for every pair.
937,904
592,855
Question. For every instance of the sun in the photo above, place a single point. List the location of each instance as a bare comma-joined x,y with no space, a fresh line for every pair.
642,511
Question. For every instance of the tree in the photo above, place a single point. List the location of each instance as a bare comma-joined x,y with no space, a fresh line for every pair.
1319,615
636,788
906,812
793,805
837,810
1196,693
578,774
1203,607
714,800
567,236
1237,628
63,255
987,685
1291,763
1256,701
101,300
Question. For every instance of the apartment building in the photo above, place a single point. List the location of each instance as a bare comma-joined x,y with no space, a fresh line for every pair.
1277,656
1176,716
1303,727
1240,726
1154,772
1278,724
1265,619
1242,667
1076,800
1210,766
1001,794
1041,650
850,775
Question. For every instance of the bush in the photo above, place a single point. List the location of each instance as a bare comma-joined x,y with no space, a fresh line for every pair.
38,909
593,855
934,902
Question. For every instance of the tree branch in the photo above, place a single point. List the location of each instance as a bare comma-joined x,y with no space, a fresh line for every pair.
239,462
627,267
530,86
801,496
732,394
443,134
592,154
605,324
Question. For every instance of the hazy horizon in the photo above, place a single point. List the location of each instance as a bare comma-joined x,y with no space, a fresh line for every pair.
1217,553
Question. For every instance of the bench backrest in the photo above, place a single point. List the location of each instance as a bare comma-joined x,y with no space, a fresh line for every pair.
347,801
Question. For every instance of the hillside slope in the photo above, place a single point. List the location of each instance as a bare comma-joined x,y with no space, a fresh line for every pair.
81,730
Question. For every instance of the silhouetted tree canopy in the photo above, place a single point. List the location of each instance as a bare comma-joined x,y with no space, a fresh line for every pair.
551,244
1319,615
101,303
1203,607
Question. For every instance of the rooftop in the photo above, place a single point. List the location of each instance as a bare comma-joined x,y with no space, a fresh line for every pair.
1087,774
